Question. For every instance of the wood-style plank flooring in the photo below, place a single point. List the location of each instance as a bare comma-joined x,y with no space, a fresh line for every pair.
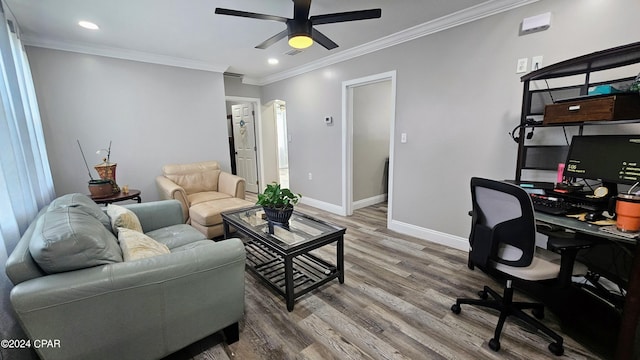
395,304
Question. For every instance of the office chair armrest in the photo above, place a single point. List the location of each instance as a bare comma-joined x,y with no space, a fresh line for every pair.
559,243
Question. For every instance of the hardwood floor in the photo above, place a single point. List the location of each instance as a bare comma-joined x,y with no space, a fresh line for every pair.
395,304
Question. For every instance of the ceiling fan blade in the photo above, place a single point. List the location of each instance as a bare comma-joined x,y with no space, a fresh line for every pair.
301,9
346,16
321,39
251,15
272,40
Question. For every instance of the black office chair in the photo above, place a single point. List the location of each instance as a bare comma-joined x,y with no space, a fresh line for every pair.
503,244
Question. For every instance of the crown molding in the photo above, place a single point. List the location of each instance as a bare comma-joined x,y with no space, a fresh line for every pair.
458,18
125,54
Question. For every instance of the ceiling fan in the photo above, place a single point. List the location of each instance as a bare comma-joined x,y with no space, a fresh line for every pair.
300,29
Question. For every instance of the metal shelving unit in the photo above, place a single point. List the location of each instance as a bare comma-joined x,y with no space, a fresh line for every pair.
534,100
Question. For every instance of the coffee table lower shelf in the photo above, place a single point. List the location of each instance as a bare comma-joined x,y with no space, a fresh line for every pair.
308,271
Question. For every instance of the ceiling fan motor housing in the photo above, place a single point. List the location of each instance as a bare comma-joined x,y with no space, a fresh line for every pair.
298,28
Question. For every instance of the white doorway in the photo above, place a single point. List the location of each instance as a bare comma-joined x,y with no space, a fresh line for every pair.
388,82
244,140
275,143
283,144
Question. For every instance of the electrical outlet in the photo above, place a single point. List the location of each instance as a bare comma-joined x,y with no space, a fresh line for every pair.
310,176
536,63
522,65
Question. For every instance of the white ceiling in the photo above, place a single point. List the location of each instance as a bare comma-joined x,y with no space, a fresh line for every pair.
188,33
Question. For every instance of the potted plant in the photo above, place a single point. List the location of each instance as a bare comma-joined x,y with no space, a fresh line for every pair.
278,203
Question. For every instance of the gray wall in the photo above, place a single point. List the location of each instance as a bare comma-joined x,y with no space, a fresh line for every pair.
371,131
233,86
154,115
457,98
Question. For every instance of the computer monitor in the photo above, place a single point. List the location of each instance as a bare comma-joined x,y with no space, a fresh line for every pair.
613,159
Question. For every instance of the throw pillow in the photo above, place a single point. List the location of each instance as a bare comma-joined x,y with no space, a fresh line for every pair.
136,245
68,239
122,217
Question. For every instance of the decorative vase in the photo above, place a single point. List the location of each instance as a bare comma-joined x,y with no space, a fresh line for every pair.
107,171
277,215
100,188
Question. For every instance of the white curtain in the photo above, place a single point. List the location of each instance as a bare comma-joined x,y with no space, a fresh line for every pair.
25,178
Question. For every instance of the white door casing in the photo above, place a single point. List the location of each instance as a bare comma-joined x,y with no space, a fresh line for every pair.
347,139
245,145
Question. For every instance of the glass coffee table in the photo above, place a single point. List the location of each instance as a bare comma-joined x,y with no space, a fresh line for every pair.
281,256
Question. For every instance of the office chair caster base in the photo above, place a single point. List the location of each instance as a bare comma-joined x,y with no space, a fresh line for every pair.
495,344
483,294
556,349
455,308
538,313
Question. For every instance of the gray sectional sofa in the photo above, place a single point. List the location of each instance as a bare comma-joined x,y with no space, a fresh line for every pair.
73,287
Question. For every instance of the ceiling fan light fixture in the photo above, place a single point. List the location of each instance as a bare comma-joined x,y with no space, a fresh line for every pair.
299,34
300,41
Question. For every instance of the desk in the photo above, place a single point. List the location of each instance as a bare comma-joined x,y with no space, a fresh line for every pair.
631,310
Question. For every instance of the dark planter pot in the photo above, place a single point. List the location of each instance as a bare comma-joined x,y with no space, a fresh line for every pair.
100,188
279,216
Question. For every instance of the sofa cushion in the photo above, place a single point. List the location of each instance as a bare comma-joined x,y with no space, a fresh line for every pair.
176,235
68,238
136,245
196,182
82,202
201,197
122,217
209,213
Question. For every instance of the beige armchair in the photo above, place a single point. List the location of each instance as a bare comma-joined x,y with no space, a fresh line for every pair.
204,192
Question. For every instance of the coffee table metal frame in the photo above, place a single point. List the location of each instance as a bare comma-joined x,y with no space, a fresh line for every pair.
289,270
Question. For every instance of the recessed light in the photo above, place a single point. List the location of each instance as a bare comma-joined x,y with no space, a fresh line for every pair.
88,25
273,61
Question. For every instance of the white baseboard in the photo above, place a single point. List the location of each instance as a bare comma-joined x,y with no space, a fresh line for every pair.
334,209
369,201
434,236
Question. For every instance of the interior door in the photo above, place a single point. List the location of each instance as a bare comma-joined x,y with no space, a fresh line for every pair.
245,145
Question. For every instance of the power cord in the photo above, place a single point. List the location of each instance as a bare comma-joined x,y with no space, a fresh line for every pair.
527,122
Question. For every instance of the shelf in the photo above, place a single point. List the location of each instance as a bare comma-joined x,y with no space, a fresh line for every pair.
534,101
586,123
596,61
308,271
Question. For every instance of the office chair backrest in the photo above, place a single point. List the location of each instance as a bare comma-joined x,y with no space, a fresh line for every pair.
503,224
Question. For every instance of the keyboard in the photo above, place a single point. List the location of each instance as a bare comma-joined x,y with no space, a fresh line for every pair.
551,205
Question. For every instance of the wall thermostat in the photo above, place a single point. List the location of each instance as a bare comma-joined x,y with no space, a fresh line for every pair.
328,120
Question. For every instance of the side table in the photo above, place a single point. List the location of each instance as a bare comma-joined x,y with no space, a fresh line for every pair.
133,194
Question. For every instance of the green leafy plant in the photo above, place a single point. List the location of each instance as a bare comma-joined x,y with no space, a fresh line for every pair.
275,197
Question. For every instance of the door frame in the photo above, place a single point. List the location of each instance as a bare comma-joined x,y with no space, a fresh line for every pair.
257,109
347,138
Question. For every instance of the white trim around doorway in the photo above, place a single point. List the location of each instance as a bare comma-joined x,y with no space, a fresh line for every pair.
347,139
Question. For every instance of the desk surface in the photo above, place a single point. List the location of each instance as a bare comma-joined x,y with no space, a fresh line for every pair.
581,226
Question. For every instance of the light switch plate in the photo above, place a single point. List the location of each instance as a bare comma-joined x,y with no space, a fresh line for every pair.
522,65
